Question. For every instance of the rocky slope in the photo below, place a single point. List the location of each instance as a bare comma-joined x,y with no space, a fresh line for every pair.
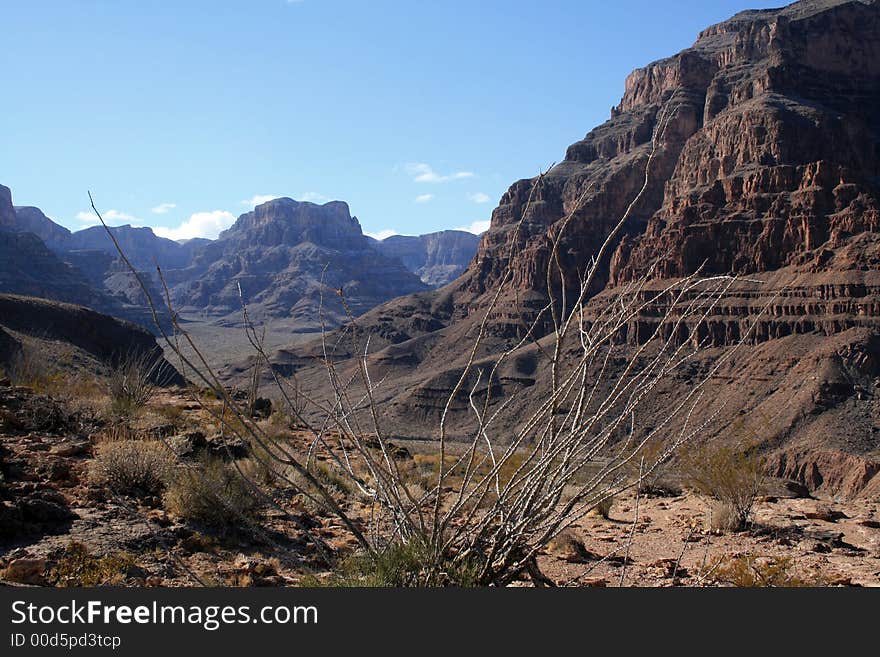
85,336
286,256
437,258
759,150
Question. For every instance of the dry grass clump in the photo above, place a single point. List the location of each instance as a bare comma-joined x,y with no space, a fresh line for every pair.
172,413
139,468
749,571
32,369
78,567
212,494
132,383
733,477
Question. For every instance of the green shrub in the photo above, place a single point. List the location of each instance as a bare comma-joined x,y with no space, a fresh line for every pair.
398,565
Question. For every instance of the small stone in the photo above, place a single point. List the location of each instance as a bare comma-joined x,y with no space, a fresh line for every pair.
824,513
26,571
68,449
595,582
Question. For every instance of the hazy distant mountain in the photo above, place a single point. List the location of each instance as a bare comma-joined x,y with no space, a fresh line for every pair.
437,258
32,220
141,246
286,255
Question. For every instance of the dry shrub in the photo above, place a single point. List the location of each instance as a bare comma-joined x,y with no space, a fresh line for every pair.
78,567
212,494
603,507
733,477
749,571
329,478
173,413
133,382
655,467
133,467
32,369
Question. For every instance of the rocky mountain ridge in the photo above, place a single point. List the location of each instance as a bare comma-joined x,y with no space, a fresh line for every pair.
759,150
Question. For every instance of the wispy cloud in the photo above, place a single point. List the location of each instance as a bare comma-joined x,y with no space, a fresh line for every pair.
259,199
476,227
88,218
423,173
163,208
382,234
200,224
479,197
424,198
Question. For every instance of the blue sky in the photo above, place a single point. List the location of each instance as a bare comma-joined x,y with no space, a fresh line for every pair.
180,115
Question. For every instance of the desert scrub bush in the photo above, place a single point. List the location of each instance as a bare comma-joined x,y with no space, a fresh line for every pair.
749,571
655,467
399,564
138,468
78,567
603,507
173,413
732,476
132,383
326,477
30,368
213,494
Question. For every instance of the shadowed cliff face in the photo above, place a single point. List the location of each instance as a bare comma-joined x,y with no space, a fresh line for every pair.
767,163
290,258
7,211
32,220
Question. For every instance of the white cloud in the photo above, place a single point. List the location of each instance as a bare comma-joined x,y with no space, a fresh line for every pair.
163,208
382,234
259,199
476,227
479,197
88,218
423,173
200,224
424,198
313,197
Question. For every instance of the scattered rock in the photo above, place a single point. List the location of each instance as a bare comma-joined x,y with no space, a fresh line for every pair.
824,513
187,443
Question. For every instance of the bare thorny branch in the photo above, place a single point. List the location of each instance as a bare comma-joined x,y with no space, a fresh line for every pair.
494,505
